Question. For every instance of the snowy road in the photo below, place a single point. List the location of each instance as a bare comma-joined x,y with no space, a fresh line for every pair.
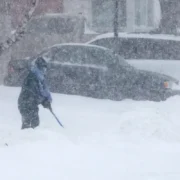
102,140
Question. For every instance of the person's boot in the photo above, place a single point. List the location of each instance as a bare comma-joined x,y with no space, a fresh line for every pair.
25,126
34,124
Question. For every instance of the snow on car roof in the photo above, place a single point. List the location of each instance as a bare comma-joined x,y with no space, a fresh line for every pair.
137,35
79,44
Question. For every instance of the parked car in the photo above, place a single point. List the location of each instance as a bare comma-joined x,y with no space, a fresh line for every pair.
94,71
141,45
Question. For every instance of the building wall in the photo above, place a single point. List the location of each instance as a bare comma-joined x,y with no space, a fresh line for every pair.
83,7
20,7
98,13
143,15
134,15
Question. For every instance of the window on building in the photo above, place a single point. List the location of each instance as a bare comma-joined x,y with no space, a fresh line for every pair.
150,13
103,15
138,13
144,13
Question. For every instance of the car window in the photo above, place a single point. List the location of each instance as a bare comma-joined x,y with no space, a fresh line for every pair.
107,57
106,42
84,55
47,55
164,49
55,54
98,56
126,47
61,55
142,48
132,48
79,55
69,54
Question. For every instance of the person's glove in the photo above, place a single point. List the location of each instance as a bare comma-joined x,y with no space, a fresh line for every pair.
46,104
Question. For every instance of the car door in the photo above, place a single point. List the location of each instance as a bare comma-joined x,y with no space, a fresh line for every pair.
60,70
120,78
72,70
67,73
97,58
85,74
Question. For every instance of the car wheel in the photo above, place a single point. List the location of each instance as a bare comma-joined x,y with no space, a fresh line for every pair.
114,94
157,97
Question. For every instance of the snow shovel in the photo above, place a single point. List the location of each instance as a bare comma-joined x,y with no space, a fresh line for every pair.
50,108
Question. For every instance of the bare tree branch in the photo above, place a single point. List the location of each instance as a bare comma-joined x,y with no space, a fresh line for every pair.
20,31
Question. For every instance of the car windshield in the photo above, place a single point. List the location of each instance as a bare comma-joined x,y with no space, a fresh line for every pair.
119,59
84,55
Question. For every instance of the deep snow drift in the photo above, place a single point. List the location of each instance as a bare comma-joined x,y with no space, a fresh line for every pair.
102,140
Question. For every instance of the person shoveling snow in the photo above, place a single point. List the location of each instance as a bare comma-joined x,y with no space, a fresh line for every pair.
34,92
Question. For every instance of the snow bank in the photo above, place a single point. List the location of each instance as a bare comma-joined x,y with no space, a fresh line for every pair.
102,140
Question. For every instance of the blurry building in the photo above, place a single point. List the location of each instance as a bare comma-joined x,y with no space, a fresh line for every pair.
134,15
143,15
20,7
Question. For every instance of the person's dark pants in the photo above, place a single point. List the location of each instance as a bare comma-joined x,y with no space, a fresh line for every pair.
30,118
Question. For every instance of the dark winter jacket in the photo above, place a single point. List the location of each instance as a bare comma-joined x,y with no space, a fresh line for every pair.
34,91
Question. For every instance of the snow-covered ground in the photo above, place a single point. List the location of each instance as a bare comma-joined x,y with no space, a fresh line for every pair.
102,140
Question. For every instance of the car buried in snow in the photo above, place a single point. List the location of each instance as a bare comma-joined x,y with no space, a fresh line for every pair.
147,51
94,71
140,46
